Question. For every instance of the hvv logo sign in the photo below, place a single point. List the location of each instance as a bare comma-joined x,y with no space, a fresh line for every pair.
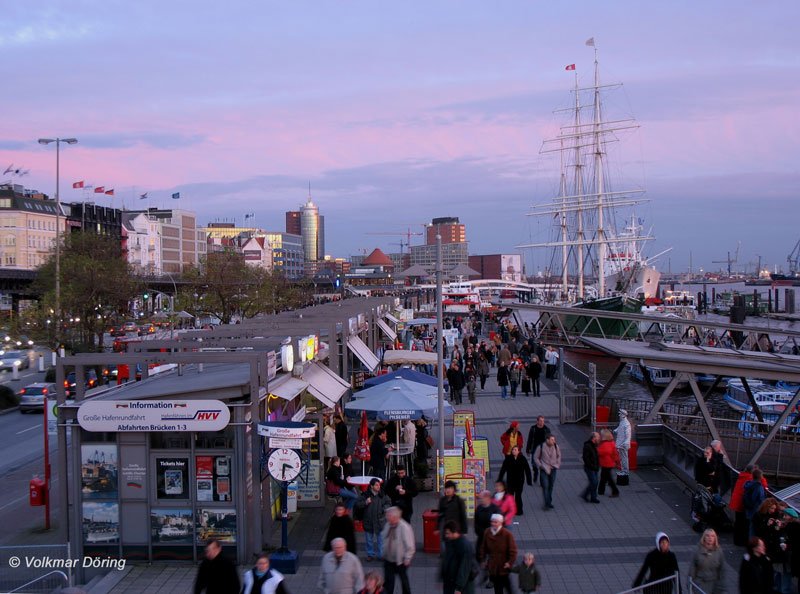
158,415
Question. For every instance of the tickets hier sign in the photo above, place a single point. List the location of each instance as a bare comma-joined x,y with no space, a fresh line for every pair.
153,415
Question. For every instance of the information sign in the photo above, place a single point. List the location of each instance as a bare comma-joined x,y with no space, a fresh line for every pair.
102,416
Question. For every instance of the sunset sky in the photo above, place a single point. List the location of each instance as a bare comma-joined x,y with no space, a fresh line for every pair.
397,112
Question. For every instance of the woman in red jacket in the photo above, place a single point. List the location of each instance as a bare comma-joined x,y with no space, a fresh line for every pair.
741,525
609,460
512,437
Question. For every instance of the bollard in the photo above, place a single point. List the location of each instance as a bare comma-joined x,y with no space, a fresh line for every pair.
61,351
53,358
199,368
41,362
15,373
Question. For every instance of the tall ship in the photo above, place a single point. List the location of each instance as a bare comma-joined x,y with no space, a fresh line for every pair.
596,240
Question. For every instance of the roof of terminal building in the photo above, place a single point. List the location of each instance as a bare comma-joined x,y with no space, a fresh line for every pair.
700,359
377,258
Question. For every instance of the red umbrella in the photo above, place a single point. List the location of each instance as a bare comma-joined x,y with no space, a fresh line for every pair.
470,449
361,449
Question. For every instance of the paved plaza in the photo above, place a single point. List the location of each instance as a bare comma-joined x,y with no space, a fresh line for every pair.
579,547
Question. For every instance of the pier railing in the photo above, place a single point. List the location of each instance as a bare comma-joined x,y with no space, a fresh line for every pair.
664,585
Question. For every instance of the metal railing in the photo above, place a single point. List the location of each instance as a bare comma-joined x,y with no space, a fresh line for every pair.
666,585
692,588
577,403
34,568
55,574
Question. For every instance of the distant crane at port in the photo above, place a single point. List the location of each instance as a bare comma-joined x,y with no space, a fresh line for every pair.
407,234
730,261
794,259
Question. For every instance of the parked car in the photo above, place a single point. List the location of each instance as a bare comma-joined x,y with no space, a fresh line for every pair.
10,359
33,397
69,382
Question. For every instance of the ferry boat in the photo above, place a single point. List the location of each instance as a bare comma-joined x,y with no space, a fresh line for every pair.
461,297
659,377
764,394
770,412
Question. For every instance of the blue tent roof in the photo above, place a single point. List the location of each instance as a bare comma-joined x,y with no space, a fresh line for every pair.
396,400
405,373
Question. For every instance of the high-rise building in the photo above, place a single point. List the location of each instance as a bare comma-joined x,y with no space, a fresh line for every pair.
312,230
293,222
448,227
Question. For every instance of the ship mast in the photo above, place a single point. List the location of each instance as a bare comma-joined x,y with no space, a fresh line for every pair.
579,190
598,180
564,237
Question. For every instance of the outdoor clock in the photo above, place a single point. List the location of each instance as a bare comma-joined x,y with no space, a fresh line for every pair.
284,464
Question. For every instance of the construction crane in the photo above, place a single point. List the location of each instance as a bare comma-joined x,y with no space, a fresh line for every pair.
729,261
794,259
407,234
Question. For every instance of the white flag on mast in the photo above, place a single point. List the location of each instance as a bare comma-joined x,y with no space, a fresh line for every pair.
590,42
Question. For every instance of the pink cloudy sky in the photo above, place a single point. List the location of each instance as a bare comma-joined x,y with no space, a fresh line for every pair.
400,112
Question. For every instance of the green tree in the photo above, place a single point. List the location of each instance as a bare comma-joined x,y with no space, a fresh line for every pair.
96,286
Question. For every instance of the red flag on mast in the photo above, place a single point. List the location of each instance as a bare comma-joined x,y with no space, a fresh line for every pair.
110,192
77,185
570,67
99,189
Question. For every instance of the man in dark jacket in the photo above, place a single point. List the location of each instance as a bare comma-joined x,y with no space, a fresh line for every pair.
484,511
402,489
372,507
342,437
457,562
536,437
379,453
455,378
591,466
452,508
217,574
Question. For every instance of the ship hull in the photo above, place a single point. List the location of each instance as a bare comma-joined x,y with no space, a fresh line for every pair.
604,327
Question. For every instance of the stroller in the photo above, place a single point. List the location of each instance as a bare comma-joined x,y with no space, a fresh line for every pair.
708,511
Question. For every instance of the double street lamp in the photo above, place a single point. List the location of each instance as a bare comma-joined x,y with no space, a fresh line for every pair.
58,142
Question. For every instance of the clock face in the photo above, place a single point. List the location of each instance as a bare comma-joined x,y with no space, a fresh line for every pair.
284,464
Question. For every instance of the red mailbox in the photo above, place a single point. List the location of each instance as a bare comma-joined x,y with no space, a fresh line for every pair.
38,492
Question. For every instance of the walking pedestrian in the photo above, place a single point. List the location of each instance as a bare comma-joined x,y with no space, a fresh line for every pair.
707,569
372,506
499,553
483,369
263,580
469,374
455,378
534,370
502,379
373,583
341,526
741,525
609,458
591,466
525,386
505,502
484,511
517,471
452,509
458,563
514,376
659,563
529,578
548,459
398,550
623,432
536,437
340,571
216,574
511,437
551,363
755,571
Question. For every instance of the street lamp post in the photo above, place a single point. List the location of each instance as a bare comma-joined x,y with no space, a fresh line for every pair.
58,142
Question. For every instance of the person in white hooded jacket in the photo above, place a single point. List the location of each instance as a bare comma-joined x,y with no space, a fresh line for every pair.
623,442
263,580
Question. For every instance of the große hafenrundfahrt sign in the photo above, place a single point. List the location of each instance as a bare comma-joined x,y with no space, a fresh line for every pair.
153,415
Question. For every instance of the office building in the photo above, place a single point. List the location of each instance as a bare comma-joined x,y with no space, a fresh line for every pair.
448,227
